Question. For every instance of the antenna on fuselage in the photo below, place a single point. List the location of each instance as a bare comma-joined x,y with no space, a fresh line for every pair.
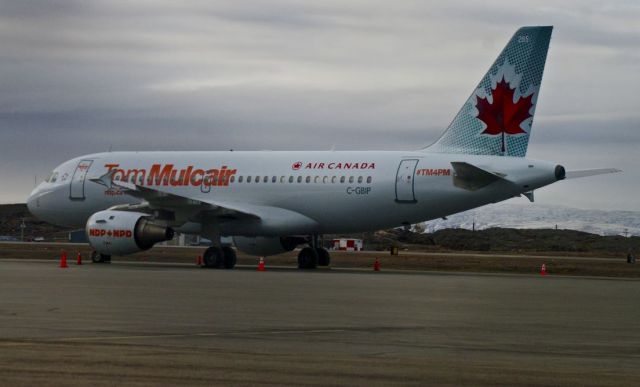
110,147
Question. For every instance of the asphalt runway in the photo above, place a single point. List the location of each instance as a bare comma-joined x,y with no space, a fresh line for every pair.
149,324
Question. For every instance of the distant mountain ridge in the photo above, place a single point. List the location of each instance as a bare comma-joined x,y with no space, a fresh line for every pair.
500,215
536,216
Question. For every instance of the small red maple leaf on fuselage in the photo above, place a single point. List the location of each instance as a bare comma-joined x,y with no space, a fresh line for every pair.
503,115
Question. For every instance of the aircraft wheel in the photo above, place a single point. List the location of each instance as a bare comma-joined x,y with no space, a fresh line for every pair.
213,257
307,258
324,259
229,257
100,258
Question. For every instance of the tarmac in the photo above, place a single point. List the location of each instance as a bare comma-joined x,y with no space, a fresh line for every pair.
153,324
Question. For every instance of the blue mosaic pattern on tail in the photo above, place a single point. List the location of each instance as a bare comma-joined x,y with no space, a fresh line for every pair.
522,64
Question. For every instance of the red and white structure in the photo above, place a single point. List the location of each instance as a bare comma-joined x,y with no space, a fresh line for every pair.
346,244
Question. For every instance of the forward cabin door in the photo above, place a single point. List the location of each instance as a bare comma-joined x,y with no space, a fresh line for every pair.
77,180
405,187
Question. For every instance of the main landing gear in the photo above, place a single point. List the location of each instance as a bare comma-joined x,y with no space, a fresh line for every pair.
219,257
100,258
314,255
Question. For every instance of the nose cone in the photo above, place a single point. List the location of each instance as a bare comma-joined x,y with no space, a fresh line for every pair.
45,204
32,202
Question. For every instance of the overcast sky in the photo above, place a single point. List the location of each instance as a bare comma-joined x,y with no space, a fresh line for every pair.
78,77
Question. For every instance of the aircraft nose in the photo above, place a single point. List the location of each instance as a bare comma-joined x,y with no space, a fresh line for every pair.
32,202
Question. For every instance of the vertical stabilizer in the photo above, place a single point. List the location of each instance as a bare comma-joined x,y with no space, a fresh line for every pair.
498,116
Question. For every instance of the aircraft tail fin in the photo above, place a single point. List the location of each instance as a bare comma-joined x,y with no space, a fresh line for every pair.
497,117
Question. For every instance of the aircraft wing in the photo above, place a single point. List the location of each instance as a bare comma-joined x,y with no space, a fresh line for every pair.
183,208
590,172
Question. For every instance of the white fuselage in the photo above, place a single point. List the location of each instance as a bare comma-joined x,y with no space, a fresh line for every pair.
337,191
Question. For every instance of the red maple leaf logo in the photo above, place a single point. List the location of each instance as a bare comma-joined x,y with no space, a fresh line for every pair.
503,115
296,165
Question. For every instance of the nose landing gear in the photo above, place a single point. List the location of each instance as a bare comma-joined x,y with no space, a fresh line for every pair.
96,257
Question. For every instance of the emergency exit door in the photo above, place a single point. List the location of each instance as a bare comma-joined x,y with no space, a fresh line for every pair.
405,192
78,179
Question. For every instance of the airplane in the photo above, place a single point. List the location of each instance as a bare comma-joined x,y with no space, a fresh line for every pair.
271,202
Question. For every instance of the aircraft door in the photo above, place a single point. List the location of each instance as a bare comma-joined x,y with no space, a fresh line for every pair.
77,180
404,181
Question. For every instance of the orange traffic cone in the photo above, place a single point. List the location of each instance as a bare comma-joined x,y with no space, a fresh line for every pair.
199,260
376,265
543,269
63,259
79,259
261,265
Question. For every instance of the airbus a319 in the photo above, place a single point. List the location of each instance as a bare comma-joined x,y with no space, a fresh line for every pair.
273,202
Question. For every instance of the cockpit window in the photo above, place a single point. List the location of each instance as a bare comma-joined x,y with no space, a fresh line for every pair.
53,178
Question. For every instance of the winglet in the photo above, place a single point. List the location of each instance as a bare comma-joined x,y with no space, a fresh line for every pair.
107,181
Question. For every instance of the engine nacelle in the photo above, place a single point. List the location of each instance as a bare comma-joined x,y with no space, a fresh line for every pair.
122,232
263,246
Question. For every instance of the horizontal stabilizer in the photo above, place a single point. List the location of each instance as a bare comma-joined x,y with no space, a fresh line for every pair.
472,178
590,172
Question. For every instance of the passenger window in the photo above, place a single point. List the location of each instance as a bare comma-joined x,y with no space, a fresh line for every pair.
368,179
239,179
341,179
257,180
249,179
359,179
325,179
281,179
333,179
350,179
290,179
299,179
317,179
232,179
308,179
274,179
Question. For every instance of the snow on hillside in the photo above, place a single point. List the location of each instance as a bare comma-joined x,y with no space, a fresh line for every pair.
533,215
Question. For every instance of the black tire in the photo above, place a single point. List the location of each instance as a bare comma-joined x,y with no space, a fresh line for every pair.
324,259
307,258
213,257
230,258
100,258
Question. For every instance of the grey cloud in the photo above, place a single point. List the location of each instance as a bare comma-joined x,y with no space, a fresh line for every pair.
79,77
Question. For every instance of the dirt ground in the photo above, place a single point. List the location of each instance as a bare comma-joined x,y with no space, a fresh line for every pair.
583,265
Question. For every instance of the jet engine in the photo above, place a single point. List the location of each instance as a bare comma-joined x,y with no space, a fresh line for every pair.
263,246
122,232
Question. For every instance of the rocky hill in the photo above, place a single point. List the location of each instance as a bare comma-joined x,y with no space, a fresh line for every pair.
484,238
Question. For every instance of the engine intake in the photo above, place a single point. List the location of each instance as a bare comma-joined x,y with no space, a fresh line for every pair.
122,232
